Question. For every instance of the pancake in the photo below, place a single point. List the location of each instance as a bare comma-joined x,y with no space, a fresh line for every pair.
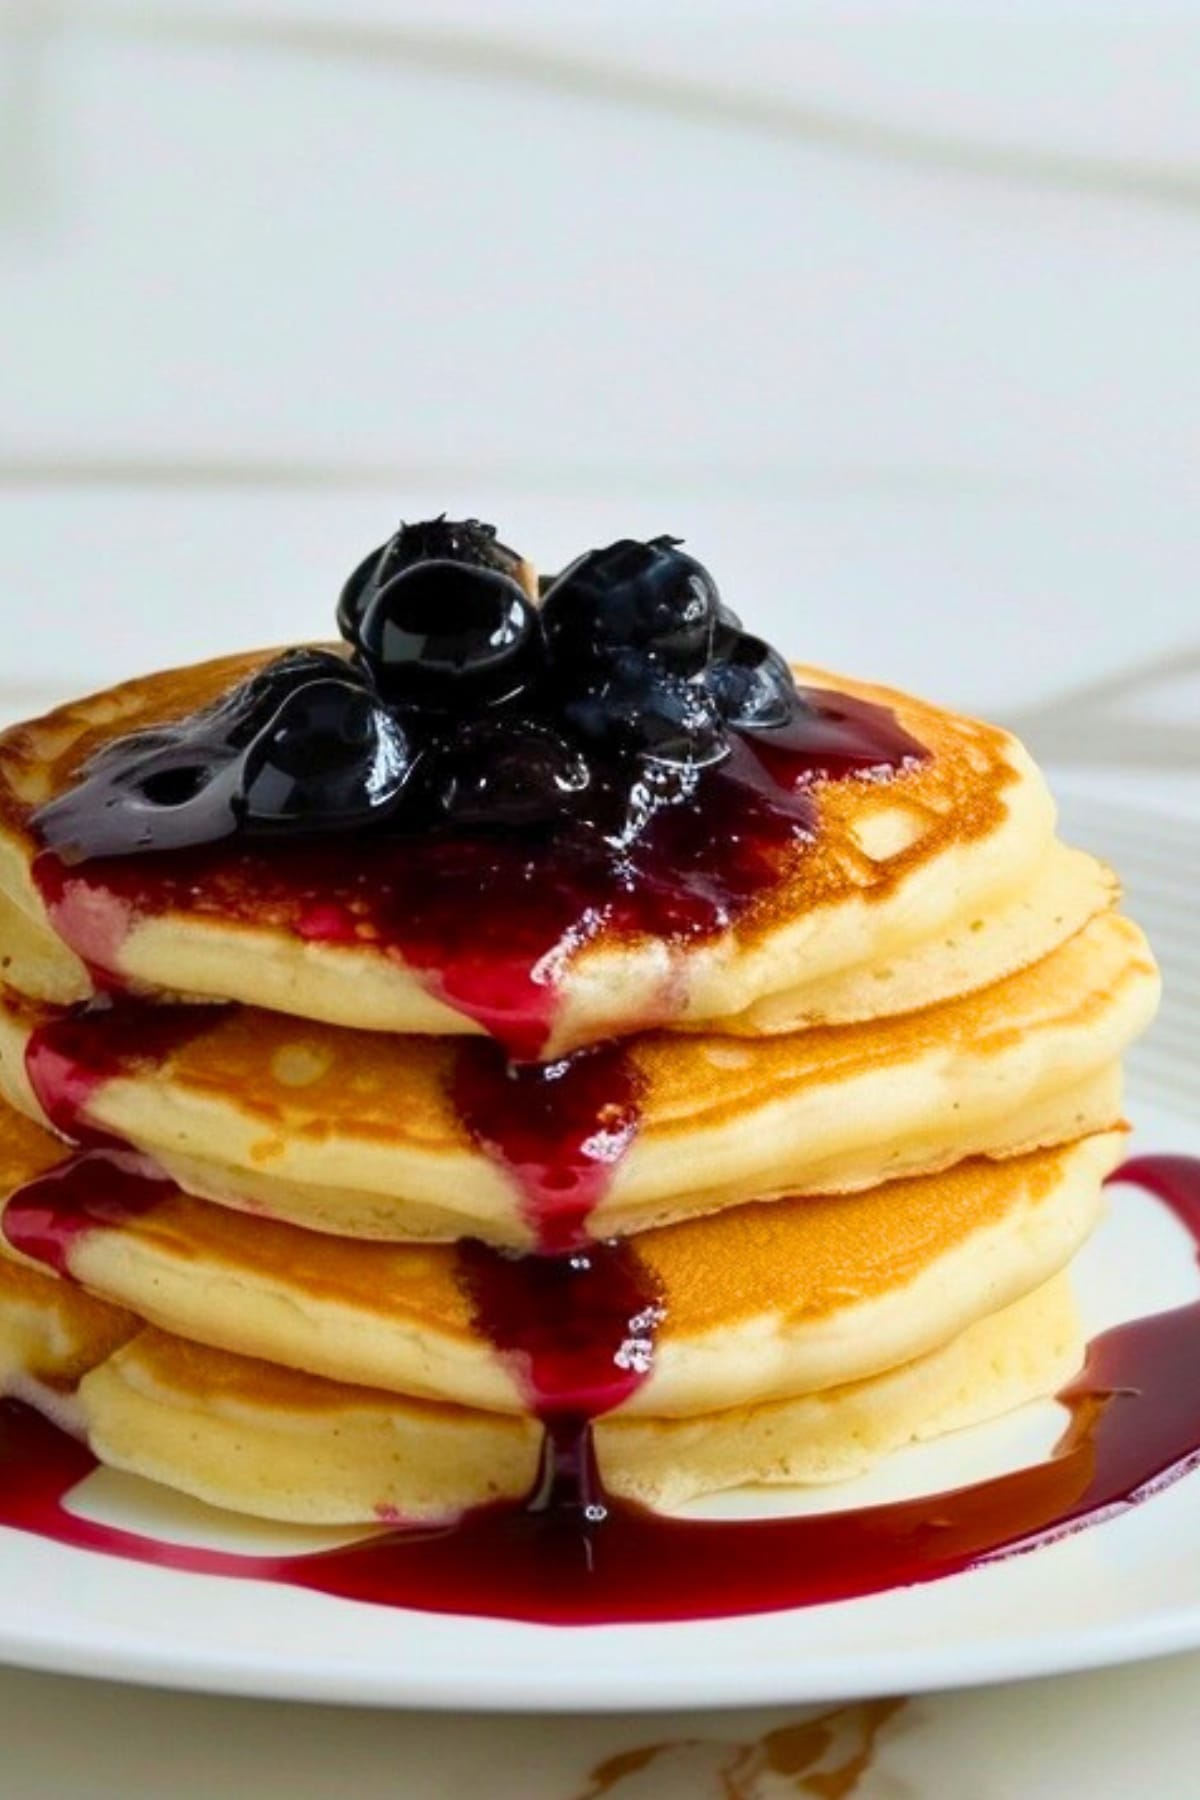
972,953
264,1441
896,866
52,1333
759,1302
359,1135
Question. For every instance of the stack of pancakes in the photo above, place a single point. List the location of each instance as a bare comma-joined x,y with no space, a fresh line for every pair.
872,1123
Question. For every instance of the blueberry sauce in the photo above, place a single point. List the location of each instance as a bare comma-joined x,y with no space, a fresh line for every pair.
577,1330
481,786
103,1185
1134,1427
69,1057
560,1130
491,920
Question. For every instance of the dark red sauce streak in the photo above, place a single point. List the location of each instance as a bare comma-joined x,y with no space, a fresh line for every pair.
577,1331
1135,1426
559,1130
101,1186
69,1057
490,920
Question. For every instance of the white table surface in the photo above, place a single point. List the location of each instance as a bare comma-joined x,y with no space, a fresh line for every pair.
889,308
1107,1736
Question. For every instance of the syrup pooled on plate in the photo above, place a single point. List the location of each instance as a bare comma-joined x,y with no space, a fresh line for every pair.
1134,1427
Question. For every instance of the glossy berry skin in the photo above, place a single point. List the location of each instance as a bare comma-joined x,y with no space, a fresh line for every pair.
751,684
643,596
510,774
241,715
466,541
179,785
463,707
331,758
448,637
635,706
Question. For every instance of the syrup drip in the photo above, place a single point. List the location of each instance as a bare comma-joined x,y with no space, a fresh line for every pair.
1134,1427
577,1331
68,1058
102,1186
488,921
560,1130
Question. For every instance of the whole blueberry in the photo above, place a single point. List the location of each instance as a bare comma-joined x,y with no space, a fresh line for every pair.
510,773
632,595
634,705
331,758
467,541
241,714
751,684
448,636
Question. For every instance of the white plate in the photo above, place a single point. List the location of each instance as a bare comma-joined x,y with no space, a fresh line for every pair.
1126,1589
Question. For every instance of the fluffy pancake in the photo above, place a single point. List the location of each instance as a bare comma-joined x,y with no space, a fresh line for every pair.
243,1434
52,1333
358,1134
895,865
759,1302
971,953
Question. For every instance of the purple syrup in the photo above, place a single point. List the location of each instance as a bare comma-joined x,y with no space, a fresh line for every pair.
490,920
1135,1426
577,1331
104,1186
560,1130
68,1058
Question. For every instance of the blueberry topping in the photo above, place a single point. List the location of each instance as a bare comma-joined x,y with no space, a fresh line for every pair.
511,773
751,684
240,716
635,705
630,595
184,784
165,796
443,634
466,541
464,703
331,758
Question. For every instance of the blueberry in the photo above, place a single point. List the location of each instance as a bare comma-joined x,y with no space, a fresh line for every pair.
467,541
445,635
636,706
631,595
510,773
751,684
241,714
331,758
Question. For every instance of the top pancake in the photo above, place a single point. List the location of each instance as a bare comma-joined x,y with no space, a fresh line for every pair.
885,910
